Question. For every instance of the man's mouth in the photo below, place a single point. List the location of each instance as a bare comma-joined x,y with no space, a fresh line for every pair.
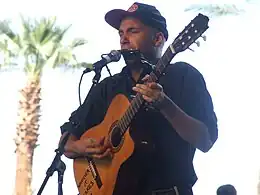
128,46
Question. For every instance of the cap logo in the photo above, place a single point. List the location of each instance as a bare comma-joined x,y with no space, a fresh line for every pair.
133,8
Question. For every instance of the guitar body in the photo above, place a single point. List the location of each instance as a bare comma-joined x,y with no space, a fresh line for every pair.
107,169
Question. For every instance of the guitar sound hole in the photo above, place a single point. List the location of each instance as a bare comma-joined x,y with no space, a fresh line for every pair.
116,136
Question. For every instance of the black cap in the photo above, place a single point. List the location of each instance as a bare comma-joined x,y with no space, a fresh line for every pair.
147,14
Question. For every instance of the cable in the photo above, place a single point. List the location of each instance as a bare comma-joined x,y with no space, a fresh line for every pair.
79,88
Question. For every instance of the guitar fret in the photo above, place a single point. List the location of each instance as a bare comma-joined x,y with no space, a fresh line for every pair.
135,107
120,127
128,115
132,112
153,76
126,119
139,101
167,56
123,122
120,124
159,71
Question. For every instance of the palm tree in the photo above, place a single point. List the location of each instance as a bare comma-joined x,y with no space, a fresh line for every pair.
7,54
222,9
216,9
258,184
37,46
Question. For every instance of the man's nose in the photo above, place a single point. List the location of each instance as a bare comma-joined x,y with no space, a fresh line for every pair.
124,39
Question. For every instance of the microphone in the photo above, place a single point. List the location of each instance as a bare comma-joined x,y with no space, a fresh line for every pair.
113,56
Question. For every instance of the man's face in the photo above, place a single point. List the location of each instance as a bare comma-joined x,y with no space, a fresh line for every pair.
135,35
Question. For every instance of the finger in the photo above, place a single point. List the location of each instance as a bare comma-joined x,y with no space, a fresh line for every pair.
142,86
146,78
96,150
150,86
107,143
107,154
154,85
146,92
90,142
148,99
101,141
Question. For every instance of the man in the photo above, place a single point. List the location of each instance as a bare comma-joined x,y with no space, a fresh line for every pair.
178,117
227,189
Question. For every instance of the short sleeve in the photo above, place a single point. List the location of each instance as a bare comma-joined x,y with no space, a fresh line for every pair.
89,114
198,101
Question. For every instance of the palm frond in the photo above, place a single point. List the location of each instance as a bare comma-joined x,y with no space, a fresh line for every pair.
6,30
82,65
7,54
252,1
41,43
63,57
60,32
27,31
216,9
78,42
45,30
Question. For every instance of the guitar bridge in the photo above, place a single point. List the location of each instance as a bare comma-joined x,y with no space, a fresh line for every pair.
94,172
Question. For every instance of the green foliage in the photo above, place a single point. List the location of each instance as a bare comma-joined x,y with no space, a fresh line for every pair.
215,9
39,43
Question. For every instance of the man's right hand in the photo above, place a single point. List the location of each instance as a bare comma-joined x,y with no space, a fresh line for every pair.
87,147
93,148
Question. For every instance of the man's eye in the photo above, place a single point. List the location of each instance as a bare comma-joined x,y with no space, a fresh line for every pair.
134,30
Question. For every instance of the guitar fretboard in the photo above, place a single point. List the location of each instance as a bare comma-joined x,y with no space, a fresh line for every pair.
138,101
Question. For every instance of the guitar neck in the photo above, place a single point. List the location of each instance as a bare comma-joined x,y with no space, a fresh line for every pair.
138,101
134,107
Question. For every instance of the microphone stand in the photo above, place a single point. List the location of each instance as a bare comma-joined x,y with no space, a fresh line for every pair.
57,164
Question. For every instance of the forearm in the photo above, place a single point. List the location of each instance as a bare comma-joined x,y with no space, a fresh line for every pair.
190,129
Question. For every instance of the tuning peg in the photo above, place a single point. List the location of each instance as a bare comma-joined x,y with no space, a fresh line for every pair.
204,37
191,49
197,43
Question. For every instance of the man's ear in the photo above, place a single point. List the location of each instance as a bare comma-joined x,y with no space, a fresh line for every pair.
158,39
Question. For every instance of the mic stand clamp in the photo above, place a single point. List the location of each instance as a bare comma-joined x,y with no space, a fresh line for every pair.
96,78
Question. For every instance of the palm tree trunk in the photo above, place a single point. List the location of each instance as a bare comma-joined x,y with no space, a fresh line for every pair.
27,134
258,185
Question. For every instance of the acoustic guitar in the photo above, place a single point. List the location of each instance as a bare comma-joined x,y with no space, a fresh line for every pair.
98,176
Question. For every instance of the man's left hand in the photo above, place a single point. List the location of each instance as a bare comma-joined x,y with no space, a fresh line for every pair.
152,92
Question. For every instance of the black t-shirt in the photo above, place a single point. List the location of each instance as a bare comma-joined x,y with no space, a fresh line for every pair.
161,158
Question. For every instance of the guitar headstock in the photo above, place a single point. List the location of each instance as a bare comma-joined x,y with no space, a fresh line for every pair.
191,33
